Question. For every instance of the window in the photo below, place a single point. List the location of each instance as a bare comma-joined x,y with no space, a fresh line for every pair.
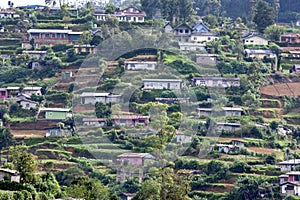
27,105
289,187
186,31
181,31
208,38
140,18
202,82
251,41
296,178
195,38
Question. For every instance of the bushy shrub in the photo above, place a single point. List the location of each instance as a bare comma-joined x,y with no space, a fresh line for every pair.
240,167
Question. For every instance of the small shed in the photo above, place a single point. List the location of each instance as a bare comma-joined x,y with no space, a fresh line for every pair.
66,75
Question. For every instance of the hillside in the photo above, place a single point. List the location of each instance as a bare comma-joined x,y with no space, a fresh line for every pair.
108,103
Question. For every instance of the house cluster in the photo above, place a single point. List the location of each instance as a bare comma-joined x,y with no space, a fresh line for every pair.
133,165
130,14
190,38
289,182
39,37
117,120
10,92
21,95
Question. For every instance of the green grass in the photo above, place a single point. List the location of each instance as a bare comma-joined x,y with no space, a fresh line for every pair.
57,161
21,120
96,146
292,115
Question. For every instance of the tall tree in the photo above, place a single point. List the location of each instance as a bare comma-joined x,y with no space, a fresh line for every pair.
89,189
25,163
276,6
165,185
264,15
102,110
185,10
274,32
212,7
6,138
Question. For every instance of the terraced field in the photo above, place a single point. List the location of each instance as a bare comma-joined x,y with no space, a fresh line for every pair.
283,89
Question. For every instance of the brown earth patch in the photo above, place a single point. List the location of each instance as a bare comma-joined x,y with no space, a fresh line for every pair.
282,89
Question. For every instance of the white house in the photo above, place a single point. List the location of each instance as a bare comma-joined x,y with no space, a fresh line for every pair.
207,59
225,111
224,126
204,112
289,165
27,104
29,90
201,33
290,183
204,37
90,97
183,138
259,53
140,65
4,14
296,68
226,148
238,143
38,54
216,81
191,46
168,28
130,14
160,84
94,122
8,174
254,39
57,132
232,111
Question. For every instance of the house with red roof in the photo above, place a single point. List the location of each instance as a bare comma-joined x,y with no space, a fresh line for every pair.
290,38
